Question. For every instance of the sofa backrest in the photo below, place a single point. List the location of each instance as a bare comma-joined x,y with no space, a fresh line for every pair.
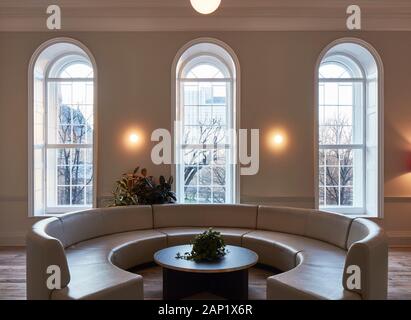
234,216
45,249
329,227
93,223
123,219
368,250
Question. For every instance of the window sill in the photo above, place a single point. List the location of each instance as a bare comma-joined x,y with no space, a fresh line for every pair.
56,212
352,213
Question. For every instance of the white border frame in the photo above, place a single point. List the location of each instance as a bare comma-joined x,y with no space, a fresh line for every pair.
380,67
237,101
30,104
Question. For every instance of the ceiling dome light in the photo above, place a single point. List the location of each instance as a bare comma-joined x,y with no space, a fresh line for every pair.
205,6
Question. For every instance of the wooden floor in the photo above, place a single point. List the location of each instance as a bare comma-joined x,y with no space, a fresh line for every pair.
13,276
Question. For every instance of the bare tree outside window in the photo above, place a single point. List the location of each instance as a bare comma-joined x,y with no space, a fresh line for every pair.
74,165
204,169
336,165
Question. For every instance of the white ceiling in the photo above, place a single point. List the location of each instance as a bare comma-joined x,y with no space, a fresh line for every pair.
178,15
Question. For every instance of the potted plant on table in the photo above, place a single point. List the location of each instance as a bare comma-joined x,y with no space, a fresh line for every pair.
207,246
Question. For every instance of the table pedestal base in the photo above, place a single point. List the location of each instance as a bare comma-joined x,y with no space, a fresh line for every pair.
230,285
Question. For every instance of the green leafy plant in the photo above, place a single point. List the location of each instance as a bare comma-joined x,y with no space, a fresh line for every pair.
207,246
140,189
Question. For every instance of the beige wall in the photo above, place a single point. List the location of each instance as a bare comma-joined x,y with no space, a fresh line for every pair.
134,90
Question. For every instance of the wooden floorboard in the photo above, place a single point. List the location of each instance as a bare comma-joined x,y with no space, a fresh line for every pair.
13,276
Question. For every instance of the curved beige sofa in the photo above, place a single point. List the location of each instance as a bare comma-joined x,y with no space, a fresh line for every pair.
313,249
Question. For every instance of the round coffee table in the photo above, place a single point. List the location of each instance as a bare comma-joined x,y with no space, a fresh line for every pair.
227,277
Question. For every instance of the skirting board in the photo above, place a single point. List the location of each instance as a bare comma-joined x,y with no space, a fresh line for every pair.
399,239
12,239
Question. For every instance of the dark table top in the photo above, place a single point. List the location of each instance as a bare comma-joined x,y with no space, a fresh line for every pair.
237,259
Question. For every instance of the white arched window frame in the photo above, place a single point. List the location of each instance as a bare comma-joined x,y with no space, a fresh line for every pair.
349,172
206,104
62,128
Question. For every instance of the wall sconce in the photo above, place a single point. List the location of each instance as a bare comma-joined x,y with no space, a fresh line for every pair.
277,140
134,138
205,6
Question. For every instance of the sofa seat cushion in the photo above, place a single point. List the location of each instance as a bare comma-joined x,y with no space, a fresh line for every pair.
314,269
96,265
184,235
101,281
318,276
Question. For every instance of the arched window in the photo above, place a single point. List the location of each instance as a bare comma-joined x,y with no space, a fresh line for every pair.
206,117
62,112
349,130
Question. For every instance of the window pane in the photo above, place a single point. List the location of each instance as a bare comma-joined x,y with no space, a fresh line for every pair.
190,94
205,176
332,196
321,196
328,135
78,195
78,156
77,70
333,70
346,157
345,92
345,115
205,71
67,177
77,175
345,135
64,157
219,176
204,195
346,196
191,175
321,157
64,93
219,156
321,176
346,176
89,195
331,93
64,134
190,194
89,175
63,175
332,176
330,115
63,196
332,157
219,195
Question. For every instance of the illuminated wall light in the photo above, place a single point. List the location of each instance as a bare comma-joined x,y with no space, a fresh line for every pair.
134,138
278,139
205,6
